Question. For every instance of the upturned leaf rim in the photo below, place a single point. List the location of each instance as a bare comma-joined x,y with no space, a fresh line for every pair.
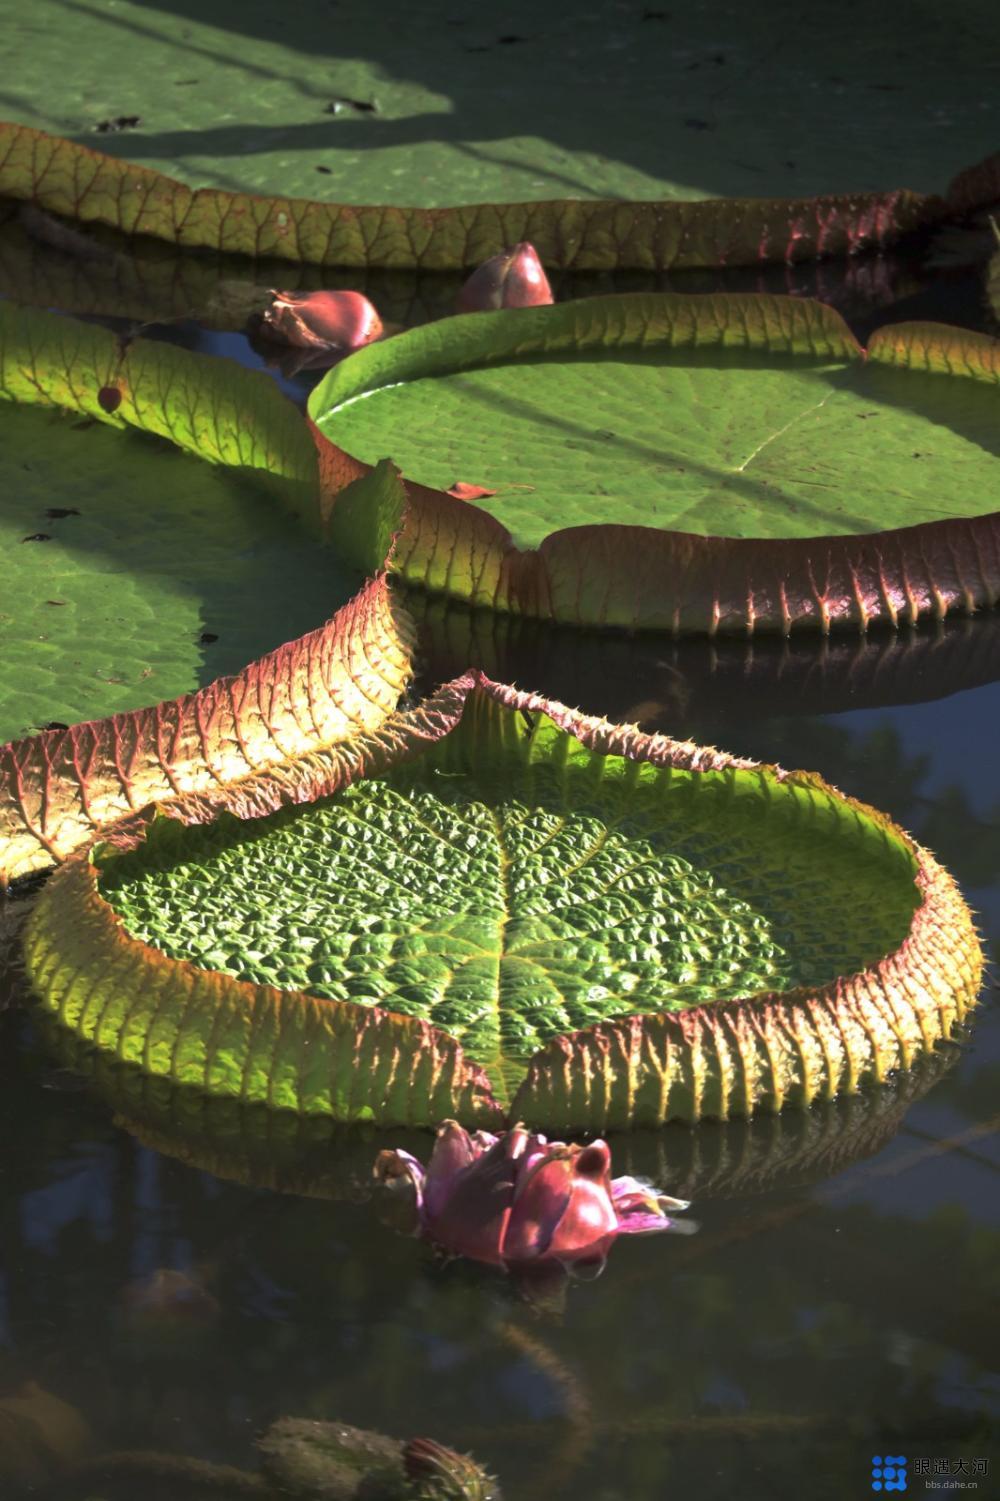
289,1050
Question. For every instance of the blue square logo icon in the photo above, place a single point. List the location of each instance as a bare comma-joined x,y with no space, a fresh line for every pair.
889,1474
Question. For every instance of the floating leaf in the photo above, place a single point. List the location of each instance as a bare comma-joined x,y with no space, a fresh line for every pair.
724,463
150,582
106,608
506,898
473,106
213,408
58,788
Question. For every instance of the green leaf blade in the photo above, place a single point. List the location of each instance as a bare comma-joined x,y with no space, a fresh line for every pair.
724,463
651,930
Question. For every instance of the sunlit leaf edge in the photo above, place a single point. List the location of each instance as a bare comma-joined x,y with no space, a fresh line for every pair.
58,787
290,1050
656,579
208,406
79,183
315,1157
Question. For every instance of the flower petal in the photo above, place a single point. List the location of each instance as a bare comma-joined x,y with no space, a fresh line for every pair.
323,320
471,1217
562,1204
392,1168
542,1198
454,1149
642,1208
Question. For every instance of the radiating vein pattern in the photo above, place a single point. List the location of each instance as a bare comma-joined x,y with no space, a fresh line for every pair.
539,893
684,439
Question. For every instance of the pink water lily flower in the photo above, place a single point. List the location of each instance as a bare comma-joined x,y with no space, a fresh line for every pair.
324,322
518,1199
514,278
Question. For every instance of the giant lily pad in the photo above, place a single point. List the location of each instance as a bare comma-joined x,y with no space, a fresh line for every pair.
498,904
129,570
717,463
137,573
462,104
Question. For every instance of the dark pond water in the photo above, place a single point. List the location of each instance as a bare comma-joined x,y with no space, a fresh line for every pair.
838,1301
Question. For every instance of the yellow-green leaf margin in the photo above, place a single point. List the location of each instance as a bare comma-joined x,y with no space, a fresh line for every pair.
290,1050
657,578
59,787
65,178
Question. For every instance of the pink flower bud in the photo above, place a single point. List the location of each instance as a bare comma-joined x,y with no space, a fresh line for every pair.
514,278
329,321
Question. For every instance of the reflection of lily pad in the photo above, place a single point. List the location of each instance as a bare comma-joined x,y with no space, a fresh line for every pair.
295,1154
657,682
530,873
724,1159
692,464
318,1158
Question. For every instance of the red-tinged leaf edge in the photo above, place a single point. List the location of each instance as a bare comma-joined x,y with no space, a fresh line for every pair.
59,788
681,582
65,178
290,1050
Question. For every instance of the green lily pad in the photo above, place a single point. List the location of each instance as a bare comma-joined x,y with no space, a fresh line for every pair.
131,571
461,104
713,463
150,573
145,554
450,932
512,904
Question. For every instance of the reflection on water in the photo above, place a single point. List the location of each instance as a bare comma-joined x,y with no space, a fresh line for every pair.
836,1300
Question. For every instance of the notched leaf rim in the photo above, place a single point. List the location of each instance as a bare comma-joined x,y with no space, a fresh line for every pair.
759,1053
60,786
77,182
657,578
